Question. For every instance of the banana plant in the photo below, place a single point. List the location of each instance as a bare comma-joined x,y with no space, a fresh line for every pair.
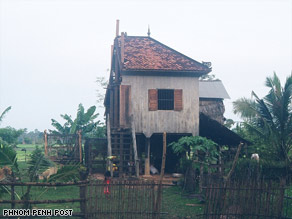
84,121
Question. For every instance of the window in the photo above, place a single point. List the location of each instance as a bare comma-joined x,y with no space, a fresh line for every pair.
165,99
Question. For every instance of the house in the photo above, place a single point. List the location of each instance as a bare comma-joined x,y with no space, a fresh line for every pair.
152,89
212,93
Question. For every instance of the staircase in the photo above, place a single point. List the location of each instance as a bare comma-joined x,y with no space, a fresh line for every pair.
122,148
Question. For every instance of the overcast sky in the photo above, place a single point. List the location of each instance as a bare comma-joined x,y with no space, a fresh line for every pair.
51,52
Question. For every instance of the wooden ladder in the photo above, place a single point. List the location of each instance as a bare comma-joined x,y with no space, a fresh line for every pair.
122,148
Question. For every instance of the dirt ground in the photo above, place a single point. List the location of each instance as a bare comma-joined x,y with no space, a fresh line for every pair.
167,179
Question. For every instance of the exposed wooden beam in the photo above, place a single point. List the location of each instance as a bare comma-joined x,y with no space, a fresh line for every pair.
117,27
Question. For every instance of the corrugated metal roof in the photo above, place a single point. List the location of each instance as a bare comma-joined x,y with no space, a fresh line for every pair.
212,89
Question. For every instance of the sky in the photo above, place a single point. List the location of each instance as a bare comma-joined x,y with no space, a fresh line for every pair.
52,51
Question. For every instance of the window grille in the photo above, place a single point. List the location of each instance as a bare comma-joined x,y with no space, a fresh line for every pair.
165,99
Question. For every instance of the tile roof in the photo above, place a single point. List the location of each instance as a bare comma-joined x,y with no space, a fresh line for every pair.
145,53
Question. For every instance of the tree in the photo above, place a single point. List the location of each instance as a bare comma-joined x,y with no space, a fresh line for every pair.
102,85
229,123
4,113
32,137
10,135
270,117
84,121
196,153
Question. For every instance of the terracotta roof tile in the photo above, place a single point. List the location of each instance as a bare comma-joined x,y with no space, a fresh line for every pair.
145,53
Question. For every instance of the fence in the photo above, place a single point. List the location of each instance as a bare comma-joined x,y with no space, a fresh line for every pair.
31,195
95,154
63,148
246,199
92,199
122,199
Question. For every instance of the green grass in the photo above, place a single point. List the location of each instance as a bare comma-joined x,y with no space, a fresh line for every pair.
288,202
178,204
22,154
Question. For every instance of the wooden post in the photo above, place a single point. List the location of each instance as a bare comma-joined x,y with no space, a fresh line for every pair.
163,157
121,160
112,53
234,162
117,27
159,192
147,157
12,191
46,142
109,144
135,146
80,145
83,195
122,47
201,178
116,105
220,161
111,113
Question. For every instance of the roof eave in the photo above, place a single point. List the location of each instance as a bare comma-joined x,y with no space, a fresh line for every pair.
163,72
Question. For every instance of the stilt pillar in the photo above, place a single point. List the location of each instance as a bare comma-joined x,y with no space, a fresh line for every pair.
147,157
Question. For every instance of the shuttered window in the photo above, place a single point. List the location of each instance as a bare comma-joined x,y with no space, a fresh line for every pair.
152,99
165,99
178,99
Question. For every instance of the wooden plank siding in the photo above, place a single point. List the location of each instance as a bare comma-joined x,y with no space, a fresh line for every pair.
148,119
125,106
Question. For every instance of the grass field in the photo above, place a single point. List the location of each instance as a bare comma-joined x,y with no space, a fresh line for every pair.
23,155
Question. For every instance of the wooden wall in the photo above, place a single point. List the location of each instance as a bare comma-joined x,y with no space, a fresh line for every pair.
170,121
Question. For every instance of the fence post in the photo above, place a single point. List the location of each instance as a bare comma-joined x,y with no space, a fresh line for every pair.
281,196
159,192
80,146
46,142
12,192
109,146
83,195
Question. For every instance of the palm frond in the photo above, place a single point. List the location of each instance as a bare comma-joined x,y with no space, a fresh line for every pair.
67,118
4,112
69,172
8,157
38,163
80,113
58,126
246,108
89,115
74,127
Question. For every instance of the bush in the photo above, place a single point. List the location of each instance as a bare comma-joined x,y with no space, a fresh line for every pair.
247,168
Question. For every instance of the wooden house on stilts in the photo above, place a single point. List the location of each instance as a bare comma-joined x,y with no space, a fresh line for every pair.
152,89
